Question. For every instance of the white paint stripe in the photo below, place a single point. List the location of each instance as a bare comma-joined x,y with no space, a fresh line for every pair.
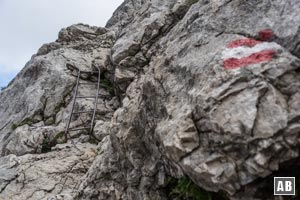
243,51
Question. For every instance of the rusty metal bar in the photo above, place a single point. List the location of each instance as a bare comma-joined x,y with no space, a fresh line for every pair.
86,97
79,129
81,112
91,127
95,83
90,72
73,105
96,102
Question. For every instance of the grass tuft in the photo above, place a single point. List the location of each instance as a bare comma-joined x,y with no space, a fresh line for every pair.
184,188
108,86
14,126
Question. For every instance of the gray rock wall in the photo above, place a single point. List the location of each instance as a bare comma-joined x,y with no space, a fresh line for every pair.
205,89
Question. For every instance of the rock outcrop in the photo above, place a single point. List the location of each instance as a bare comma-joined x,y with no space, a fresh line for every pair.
203,89
47,176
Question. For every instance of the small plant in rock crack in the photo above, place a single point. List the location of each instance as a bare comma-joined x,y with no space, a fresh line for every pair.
185,189
191,2
28,121
14,126
59,138
108,85
47,144
93,140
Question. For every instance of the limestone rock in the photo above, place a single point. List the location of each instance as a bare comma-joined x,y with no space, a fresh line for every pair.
43,90
204,89
47,176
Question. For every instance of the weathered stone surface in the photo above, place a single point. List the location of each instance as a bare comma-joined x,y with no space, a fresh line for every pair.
240,115
26,139
183,111
152,21
101,129
47,176
42,91
179,136
34,110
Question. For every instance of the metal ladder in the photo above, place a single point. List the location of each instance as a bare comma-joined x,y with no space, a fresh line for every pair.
91,127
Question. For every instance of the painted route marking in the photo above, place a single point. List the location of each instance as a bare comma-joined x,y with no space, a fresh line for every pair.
266,35
243,52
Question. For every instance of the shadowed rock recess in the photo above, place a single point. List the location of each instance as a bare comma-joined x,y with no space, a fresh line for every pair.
207,91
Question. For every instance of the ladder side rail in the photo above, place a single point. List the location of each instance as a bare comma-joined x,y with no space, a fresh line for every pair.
73,105
96,101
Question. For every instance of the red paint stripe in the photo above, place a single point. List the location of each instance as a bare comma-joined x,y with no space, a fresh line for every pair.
249,42
266,35
254,58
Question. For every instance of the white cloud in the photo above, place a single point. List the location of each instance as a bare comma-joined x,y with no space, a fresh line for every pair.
27,24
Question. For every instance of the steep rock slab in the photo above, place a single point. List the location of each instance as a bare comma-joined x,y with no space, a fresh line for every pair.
245,116
47,176
193,108
122,170
242,113
148,24
36,104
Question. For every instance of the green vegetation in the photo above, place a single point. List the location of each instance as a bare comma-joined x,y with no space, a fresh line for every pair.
14,126
108,85
59,136
184,188
93,140
50,121
49,143
100,152
191,2
25,121
28,121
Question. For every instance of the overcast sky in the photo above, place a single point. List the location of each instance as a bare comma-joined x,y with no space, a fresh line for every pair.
27,24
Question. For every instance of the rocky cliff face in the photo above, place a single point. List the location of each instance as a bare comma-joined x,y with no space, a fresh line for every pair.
203,89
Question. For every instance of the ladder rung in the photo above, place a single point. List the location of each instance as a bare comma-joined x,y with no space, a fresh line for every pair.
89,72
78,129
89,83
86,97
80,112
93,97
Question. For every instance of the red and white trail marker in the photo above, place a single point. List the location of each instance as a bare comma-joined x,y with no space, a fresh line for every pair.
243,52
